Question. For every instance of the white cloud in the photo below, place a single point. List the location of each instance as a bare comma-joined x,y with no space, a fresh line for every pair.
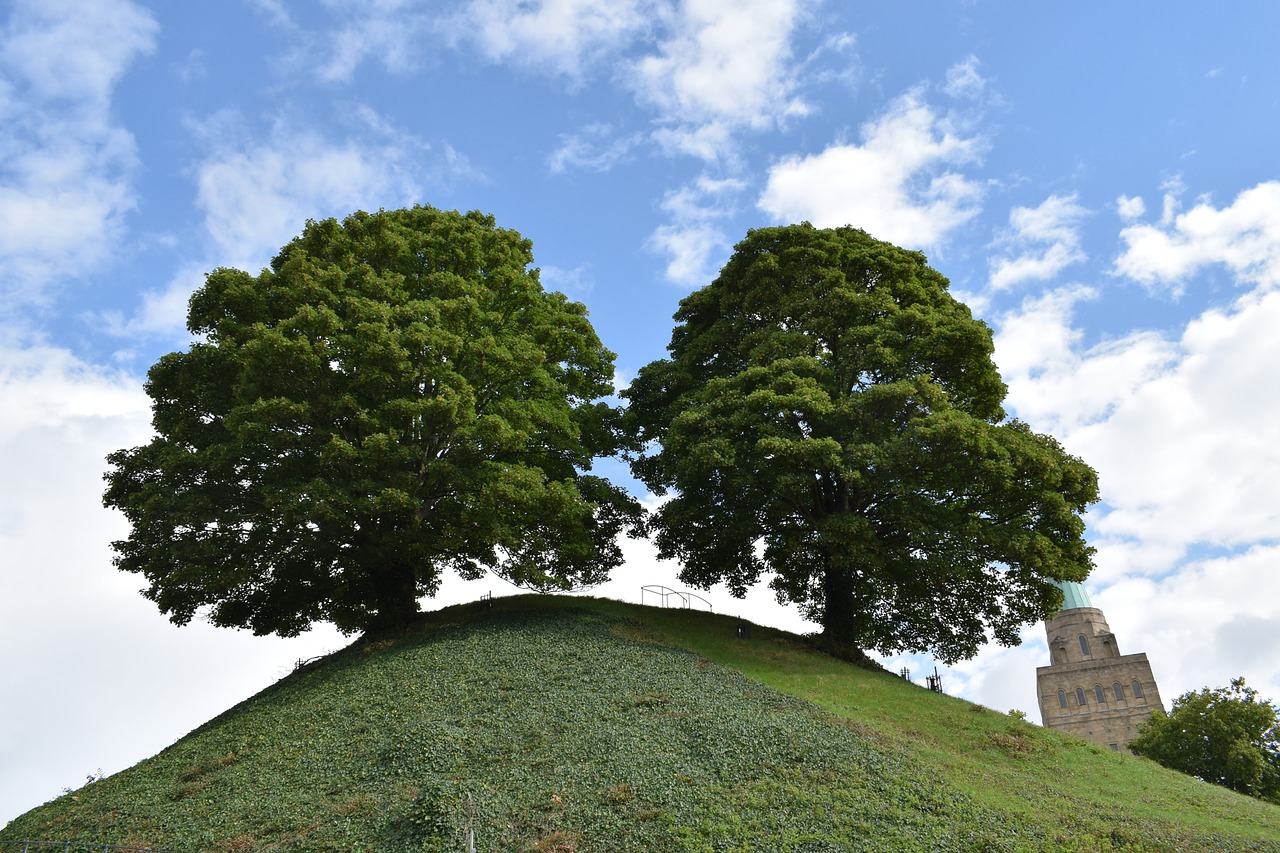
1130,207
725,66
1182,432
58,588
163,313
1207,623
1244,237
900,184
707,68
1202,625
1192,452
66,50
1046,240
1180,435
257,198
694,242
562,36
65,166
1052,383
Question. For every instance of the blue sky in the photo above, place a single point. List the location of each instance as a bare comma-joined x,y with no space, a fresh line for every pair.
1099,183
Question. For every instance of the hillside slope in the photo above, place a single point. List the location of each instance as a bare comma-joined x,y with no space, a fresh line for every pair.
566,724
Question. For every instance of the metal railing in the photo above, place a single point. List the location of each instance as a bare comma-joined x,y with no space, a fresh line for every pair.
665,594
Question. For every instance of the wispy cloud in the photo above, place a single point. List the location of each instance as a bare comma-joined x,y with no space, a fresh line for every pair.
693,239
901,184
257,190
594,148
707,70
964,80
1040,242
388,31
66,167
566,37
575,282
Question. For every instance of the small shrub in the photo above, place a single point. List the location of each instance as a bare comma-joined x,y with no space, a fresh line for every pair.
619,794
193,773
560,841
1012,743
353,805
187,790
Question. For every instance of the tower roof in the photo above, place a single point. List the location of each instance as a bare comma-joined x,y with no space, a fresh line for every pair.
1073,595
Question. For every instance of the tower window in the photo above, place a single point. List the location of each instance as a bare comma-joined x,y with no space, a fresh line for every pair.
1062,698
1118,689
1099,695
1084,645
1080,697
1137,690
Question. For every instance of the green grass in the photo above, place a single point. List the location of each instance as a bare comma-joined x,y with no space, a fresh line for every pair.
569,724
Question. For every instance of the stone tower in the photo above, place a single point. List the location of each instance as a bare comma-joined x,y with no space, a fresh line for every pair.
1089,689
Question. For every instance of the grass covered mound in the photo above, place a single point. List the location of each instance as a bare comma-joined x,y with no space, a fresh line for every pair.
578,725
535,730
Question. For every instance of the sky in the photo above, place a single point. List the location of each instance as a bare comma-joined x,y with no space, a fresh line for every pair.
1098,181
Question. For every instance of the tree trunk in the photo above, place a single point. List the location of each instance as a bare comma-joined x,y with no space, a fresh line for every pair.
397,596
838,617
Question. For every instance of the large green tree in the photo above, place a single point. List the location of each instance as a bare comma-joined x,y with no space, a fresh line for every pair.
1225,736
830,414
395,397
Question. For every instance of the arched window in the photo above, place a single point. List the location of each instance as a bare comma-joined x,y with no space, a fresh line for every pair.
1099,695
1137,690
1080,696
1084,645
1062,698
1118,688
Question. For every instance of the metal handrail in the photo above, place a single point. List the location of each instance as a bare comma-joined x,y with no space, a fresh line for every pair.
666,593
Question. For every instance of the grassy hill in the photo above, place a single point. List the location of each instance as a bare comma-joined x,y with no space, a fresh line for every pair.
569,724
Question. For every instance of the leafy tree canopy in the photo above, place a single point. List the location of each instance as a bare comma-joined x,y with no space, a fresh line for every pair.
395,397
1225,736
831,415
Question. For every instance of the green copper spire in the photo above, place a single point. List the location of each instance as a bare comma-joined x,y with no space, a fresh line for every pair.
1073,595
